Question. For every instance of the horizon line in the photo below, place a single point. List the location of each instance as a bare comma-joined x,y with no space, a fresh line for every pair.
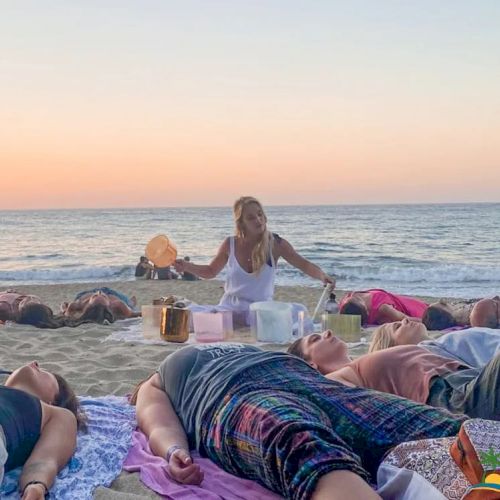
287,205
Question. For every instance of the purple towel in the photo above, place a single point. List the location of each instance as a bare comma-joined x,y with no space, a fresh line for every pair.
217,485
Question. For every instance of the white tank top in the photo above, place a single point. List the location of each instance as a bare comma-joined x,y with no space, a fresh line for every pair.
243,288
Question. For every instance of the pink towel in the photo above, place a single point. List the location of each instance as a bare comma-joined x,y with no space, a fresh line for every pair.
217,485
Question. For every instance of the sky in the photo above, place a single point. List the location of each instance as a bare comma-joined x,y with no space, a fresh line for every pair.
195,103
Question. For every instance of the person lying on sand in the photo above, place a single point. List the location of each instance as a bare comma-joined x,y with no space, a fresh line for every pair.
473,346
28,309
447,314
112,305
377,307
39,418
410,371
270,417
12,304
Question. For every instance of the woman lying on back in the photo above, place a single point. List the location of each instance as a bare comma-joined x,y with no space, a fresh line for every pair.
409,371
473,346
112,305
446,314
39,416
270,417
13,303
376,306
29,310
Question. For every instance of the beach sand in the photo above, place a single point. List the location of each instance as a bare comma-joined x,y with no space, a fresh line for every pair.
97,368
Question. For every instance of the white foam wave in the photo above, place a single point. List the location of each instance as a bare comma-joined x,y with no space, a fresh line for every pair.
437,273
66,274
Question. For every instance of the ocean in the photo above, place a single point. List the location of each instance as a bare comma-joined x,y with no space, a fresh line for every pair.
449,250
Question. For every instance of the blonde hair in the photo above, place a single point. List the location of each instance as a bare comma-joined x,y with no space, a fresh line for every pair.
263,248
381,339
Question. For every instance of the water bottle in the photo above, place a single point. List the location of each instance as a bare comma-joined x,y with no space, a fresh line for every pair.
331,306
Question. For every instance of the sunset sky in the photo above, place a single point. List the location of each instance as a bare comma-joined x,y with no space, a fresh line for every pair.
191,103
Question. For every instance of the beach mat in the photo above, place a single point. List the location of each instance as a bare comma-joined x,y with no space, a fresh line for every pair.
217,484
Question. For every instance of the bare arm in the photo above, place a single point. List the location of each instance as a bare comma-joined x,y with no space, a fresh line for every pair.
206,271
158,420
287,251
387,314
54,448
346,376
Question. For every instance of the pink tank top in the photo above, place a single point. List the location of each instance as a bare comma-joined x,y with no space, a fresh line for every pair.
403,370
407,305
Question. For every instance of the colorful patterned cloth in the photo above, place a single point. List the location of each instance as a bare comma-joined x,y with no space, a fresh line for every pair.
432,460
285,425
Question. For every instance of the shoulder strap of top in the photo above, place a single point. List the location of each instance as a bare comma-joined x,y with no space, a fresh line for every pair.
270,261
231,246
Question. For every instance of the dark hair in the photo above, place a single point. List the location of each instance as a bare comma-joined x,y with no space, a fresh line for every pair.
5,311
436,318
97,313
38,315
296,349
355,309
66,398
41,316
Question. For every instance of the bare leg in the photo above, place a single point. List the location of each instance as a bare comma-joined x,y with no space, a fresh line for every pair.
342,484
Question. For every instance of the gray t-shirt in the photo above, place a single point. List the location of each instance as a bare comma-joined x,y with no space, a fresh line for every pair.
197,377
474,347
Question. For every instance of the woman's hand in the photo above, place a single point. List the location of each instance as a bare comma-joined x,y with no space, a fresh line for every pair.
182,468
328,280
34,492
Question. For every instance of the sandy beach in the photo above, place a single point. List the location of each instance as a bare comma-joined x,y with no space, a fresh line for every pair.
97,367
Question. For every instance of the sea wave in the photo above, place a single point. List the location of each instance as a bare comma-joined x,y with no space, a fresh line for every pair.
67,274
20,258
428,273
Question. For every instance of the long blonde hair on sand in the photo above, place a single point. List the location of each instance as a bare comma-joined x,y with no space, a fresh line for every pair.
381,339
262,250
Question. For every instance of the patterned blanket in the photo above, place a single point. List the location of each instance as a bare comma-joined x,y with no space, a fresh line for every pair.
99,455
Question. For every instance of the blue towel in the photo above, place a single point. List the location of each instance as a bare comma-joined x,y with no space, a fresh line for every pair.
99,455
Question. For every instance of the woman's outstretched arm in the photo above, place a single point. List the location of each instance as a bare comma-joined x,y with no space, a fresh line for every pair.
289,253
158,420
387,314
206,271
54,448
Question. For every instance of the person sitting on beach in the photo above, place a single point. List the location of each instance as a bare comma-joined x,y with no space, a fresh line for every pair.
410,371
165,273
377,306
251,258
474,347
39,418
144,269
271,418
187,276
448,314
107,304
